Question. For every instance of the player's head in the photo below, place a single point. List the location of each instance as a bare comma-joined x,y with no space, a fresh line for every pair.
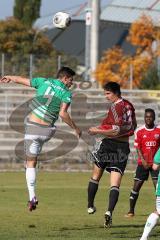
149,117
112,91
66,74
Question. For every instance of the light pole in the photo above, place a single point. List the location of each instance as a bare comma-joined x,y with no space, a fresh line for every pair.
94,52
88,40
92,38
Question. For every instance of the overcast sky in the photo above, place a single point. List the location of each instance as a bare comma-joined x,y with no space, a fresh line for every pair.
48,7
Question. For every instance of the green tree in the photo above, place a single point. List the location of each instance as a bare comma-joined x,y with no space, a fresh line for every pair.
151,79
15,37
27,11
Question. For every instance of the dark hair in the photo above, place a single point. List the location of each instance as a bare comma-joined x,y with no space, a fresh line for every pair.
113,87
151,111
65,71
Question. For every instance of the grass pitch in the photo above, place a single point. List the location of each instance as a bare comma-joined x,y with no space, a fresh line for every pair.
61,213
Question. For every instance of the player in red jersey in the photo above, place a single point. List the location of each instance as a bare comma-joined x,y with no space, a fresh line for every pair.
147,142
112,152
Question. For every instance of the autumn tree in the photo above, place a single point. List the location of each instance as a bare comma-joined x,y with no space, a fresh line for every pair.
27,11
142,34
17,42
116,66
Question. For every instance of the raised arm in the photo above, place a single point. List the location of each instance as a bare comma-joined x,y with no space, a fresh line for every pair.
15,79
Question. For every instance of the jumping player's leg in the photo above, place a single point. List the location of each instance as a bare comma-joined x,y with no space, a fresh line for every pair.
31,181
35,136
115,181
93,187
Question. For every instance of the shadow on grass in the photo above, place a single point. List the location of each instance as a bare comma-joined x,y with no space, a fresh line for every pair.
86,227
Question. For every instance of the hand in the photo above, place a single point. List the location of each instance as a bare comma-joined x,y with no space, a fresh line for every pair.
145,164
93,130
5,79
155,167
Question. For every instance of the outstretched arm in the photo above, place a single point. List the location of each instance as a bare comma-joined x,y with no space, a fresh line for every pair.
15,79
106,133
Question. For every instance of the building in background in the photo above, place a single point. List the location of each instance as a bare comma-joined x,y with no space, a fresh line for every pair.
115,20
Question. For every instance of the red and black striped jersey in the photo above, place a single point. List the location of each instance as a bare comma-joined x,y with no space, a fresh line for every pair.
122,114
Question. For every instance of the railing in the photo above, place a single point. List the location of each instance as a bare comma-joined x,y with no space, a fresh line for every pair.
88,107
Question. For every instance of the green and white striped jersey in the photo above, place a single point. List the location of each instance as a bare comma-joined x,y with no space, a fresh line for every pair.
50,93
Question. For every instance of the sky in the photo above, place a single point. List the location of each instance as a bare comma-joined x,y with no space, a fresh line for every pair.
48,7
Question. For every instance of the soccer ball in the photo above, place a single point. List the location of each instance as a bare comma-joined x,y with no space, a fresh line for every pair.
61,20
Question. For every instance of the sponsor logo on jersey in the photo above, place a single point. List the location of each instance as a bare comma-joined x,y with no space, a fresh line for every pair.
150,144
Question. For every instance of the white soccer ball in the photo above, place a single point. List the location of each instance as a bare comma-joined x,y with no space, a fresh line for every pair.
61,20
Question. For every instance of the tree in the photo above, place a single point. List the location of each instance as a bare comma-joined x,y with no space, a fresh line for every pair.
142,33
15,37
115,65
18,42
27,11
151,79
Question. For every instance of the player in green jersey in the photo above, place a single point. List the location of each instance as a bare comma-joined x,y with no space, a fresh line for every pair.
153,217
51,100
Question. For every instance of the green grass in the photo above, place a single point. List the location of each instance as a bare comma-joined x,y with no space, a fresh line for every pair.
61,213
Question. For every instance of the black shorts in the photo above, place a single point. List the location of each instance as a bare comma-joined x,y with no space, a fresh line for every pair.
142,174
111,155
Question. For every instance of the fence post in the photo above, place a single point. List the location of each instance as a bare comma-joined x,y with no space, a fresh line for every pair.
30,66
2,65
6,109
131,77
59,61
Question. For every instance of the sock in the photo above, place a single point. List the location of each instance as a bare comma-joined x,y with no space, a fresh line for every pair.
31,180
92,190
133,199
113,198
150,223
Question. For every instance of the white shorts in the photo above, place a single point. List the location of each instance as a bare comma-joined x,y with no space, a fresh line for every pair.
35,136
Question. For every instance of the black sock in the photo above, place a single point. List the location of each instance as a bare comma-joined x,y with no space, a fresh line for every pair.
133,199
92,189
113,198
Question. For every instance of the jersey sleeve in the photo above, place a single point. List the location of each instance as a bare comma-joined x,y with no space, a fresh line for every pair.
127,119
36,82
157,157
67,97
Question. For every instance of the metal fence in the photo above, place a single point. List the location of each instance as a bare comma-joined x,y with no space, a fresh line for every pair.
31,65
